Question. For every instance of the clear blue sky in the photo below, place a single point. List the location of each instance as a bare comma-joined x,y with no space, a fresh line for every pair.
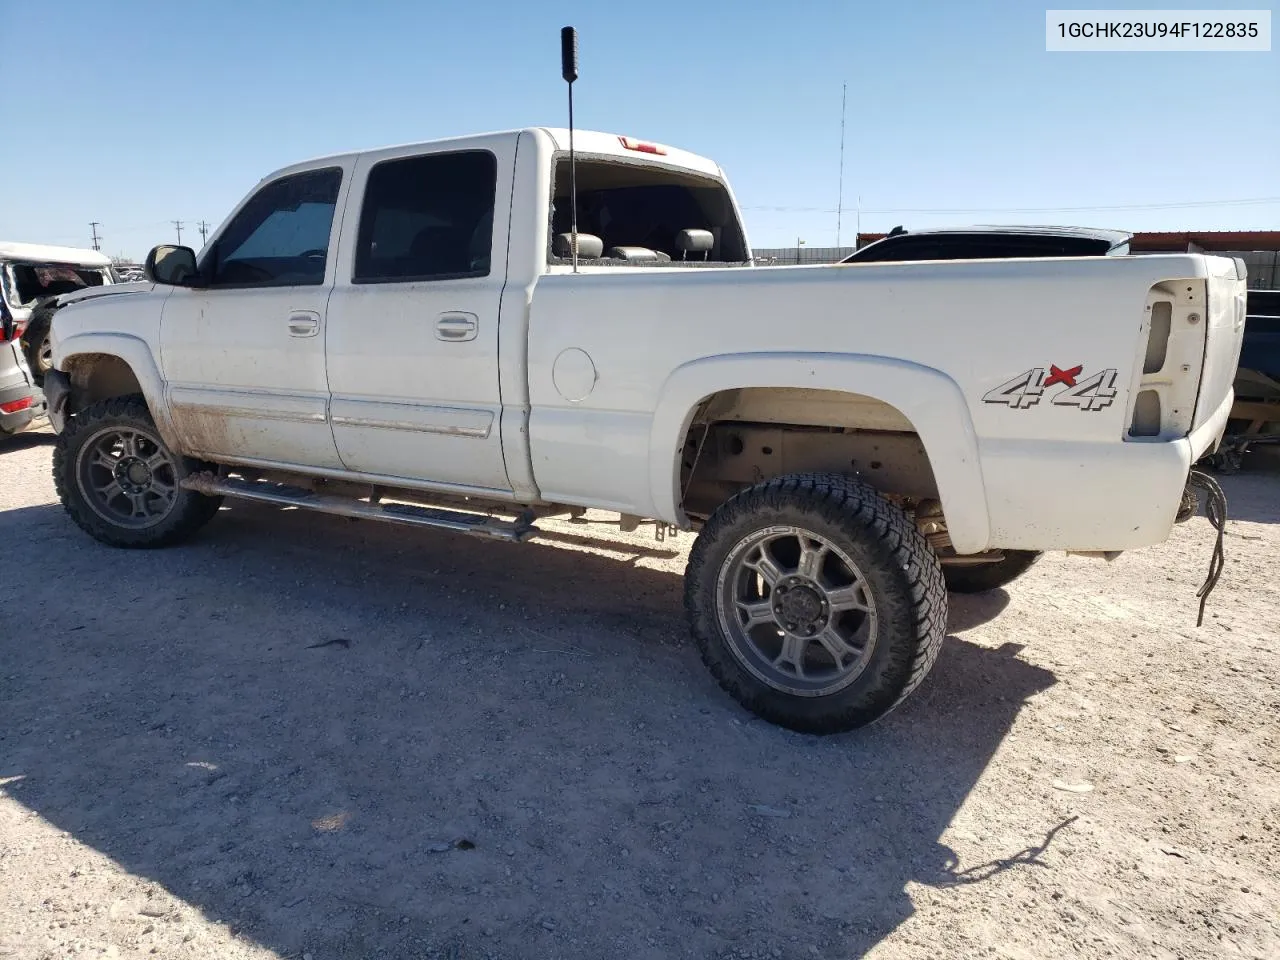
138,113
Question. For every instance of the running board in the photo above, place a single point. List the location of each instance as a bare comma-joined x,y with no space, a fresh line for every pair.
404,513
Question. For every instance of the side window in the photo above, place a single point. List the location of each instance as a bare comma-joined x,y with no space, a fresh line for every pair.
280,238
427,218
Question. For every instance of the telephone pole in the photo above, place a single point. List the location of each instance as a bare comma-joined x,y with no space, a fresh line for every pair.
178,225
844,96
97,240
204,232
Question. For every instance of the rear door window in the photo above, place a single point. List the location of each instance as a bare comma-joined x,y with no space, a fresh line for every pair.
427,218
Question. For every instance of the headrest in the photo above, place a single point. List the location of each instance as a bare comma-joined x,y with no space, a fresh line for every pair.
695,241
589,246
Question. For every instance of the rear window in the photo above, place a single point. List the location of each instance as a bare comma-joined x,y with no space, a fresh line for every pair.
26,283
643,205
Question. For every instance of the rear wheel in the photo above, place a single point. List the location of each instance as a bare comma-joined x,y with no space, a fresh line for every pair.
980,578
121,484
815,603
36,343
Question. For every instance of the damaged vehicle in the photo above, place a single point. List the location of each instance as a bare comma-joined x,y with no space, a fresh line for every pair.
32,276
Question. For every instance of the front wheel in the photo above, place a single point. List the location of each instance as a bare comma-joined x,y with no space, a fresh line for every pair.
815,603
121,484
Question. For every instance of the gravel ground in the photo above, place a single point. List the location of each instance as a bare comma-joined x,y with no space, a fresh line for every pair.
300,736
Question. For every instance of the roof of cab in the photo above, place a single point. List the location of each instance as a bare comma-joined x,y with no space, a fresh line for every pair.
47,253
584,141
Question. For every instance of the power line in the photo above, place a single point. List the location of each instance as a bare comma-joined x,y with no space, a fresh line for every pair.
1123,206
178,225
93,225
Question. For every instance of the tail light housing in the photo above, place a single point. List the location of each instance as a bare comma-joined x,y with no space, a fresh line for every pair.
1163,396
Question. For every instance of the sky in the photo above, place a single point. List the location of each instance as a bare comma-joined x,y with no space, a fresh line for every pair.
137,113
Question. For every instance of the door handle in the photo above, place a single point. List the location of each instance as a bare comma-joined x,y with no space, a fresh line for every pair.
304,323
457,327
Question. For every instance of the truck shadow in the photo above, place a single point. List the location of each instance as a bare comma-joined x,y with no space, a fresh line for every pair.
294,722
26,441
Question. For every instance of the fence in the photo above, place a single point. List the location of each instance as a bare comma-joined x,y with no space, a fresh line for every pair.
787,256
1264,268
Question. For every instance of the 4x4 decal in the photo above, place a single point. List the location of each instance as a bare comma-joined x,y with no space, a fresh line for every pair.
1027,389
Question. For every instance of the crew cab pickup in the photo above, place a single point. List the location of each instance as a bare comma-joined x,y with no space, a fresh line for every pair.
418,334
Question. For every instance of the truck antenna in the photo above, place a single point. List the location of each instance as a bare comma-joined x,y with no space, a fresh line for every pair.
569,70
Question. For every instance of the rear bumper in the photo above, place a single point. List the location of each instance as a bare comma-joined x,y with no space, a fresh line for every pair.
1043,495
11,422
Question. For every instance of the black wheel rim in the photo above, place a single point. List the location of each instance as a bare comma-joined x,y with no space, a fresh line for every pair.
127,477
796,611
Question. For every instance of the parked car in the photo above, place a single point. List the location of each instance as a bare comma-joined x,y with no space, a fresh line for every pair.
418,335
21,401
32,276
987,243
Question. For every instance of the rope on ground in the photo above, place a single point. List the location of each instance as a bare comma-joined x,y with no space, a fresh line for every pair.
1215,509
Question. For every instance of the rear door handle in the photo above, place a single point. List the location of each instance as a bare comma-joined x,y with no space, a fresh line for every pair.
457,326
304,323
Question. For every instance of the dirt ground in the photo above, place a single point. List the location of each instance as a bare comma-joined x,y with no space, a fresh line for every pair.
306,737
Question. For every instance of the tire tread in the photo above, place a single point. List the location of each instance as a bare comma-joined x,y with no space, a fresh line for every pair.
192,511
845,501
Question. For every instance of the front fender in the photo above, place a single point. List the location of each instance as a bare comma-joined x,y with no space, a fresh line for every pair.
137,354
931,400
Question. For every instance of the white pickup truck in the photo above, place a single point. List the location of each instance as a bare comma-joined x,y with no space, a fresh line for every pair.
404,334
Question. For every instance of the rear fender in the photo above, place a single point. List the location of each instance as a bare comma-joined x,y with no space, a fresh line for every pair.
932,401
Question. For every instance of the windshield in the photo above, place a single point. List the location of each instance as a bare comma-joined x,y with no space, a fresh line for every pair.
646,206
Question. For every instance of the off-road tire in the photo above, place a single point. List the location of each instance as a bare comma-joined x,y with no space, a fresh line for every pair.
990,576
900,570
190,510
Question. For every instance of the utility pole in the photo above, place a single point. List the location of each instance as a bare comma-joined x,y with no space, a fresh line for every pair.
178,225
844,97
204,232
97,240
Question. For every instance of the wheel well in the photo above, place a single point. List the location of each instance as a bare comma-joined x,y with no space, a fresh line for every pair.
99,376
739,438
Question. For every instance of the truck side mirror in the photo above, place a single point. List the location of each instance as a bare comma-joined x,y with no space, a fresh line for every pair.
172,265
